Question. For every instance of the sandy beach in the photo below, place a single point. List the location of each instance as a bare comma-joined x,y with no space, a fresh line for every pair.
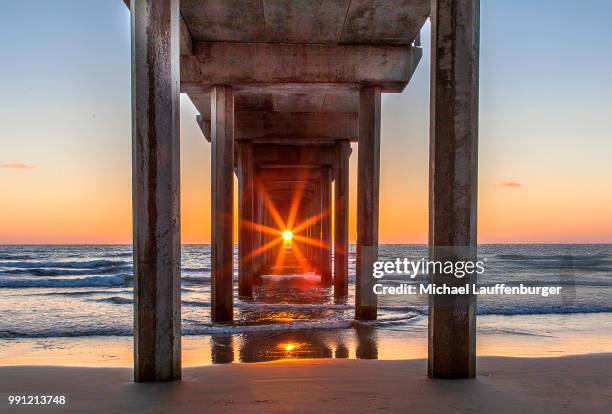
504,385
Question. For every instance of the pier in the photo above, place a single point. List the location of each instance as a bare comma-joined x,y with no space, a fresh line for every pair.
283,89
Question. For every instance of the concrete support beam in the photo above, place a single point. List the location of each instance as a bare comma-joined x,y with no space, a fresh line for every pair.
222,133
294,155
367,201
245,219
341,206
317,126
326,231
390,67
270,127
155,190
453,181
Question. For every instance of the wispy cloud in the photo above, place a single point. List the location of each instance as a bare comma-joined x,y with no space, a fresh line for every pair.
17,166
511,184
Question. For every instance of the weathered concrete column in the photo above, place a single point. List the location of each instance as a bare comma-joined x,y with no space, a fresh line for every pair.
317,229
310,232
256,260
367,201
453,181
341,205
326,231
222,138
245,219
268,222
155,190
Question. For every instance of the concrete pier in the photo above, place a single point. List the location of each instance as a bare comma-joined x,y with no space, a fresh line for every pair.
326,230
222,200
282,93
367,201
246,219
453,181
155,190
341,206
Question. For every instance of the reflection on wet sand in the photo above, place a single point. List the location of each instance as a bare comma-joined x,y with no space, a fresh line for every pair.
222,349
360,342
273,314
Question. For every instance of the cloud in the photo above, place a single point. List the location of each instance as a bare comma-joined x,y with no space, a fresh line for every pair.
511,184
17,166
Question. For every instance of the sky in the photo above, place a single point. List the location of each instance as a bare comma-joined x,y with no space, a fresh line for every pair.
545,144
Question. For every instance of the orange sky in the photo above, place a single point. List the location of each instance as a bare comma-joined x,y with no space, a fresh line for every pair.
545,131
58,202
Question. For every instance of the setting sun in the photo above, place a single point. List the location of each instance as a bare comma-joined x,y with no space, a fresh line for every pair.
287,236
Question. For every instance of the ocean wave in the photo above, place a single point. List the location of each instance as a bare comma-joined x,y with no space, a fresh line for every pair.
534,310
116,300
13,256
204,329
120,254
565,281
517,256
90,281
40,271
119,300
88,264
66,333
80,293
196,269
422,311
196,280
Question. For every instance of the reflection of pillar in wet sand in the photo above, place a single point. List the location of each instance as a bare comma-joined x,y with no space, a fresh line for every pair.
222,349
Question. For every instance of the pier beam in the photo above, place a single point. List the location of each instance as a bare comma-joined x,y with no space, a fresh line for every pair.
367,201
341,205
155,190
453,181
222,137
245,219
326,231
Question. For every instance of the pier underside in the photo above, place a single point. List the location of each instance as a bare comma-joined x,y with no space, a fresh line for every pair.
283,88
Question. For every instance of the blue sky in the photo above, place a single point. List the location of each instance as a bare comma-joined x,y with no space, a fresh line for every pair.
545,125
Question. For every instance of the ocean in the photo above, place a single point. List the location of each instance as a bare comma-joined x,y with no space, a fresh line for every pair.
68,291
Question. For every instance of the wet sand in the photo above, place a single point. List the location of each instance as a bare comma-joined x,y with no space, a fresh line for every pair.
567,338
504,385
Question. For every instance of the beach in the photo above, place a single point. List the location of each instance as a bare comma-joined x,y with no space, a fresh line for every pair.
535,336
504,385
306,206
67,330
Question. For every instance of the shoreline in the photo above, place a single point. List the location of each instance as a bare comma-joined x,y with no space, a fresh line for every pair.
501,336
536,385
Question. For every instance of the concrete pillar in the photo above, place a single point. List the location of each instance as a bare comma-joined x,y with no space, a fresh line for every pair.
310,231
222,138
326,233
266,221
367,201
341,206
245,219
453,181
258,239
317,228
155,190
